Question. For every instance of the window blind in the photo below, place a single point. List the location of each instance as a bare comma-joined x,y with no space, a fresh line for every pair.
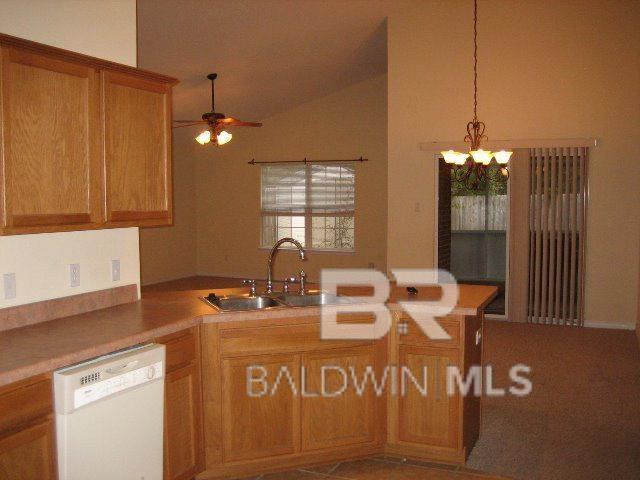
319,188
313,203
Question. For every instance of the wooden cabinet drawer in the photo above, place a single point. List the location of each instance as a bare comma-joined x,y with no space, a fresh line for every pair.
409,333
25,401
181,348
278,339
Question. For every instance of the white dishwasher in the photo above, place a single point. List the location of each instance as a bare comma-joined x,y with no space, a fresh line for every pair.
109,416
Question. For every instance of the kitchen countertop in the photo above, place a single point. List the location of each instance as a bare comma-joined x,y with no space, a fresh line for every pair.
164,308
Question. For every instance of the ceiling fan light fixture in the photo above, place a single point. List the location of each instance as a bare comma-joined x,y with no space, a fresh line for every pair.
223,137
204,137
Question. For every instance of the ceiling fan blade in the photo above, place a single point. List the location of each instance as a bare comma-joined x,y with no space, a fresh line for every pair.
188,123
234,122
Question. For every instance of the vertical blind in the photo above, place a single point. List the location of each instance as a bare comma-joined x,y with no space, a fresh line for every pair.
557,213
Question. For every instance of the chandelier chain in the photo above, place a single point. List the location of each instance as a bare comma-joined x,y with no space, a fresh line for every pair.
475,60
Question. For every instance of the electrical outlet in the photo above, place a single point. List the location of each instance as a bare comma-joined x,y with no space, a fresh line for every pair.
9,285
115,270
74,275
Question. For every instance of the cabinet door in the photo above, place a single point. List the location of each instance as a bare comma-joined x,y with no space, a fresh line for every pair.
183,424
51,144
339,415
29,453
260,419
432,419
137,150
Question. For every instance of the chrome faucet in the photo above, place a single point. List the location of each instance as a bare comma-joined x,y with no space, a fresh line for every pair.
274,250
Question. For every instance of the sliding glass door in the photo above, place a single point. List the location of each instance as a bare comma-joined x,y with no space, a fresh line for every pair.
476,241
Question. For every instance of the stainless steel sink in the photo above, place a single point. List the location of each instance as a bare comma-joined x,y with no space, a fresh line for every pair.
311,299
241,303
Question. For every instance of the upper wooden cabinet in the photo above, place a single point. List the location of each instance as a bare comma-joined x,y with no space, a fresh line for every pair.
137,149
84,143
51,152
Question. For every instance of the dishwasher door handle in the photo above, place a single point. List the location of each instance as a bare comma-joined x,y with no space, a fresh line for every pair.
123,367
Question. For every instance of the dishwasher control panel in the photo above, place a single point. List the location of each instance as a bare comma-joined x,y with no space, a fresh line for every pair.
85,383
91,393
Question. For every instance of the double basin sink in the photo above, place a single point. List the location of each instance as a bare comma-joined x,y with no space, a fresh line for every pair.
247,302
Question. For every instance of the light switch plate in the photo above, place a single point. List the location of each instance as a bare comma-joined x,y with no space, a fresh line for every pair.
115,270
74,275
9,285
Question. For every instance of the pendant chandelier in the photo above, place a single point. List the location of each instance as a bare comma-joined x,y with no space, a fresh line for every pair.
478,165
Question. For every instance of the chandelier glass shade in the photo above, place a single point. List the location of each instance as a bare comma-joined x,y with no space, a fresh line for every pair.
478,164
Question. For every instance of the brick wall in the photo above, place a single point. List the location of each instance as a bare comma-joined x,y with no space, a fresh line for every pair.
444,216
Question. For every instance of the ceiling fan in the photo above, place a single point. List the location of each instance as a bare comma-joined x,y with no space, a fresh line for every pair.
216,122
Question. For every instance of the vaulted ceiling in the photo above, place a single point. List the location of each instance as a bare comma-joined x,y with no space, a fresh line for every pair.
270,55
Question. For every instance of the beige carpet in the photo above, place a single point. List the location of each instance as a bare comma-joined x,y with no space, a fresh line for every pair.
582,420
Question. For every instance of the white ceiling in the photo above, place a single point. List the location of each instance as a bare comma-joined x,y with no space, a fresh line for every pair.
270,55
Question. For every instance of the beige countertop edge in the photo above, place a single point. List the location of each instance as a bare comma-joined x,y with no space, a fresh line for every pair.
48,365
286,312
40,366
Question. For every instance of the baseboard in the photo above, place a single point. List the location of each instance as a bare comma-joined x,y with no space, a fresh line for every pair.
610,326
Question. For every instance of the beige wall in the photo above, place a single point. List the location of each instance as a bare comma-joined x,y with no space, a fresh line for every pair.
547,69
638,317
100,28
170,252
346,124
105,29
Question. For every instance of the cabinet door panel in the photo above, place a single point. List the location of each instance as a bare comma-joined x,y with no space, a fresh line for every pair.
431,419
344,419
137,150
183,424
29,454
259,426
51,134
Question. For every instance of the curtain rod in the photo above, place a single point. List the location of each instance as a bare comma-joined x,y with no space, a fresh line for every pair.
306,160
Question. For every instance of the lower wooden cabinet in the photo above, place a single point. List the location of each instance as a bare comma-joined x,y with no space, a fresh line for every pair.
435,424
264,406
430,418
261,417
27,433
29,453
183,440
339,410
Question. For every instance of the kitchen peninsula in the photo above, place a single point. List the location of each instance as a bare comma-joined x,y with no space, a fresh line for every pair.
213,428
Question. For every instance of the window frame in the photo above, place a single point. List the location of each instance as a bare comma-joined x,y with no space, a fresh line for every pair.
308,215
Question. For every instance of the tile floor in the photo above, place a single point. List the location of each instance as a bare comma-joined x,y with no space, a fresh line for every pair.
379,468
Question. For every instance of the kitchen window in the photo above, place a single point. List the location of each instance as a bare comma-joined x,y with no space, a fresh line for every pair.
313,203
